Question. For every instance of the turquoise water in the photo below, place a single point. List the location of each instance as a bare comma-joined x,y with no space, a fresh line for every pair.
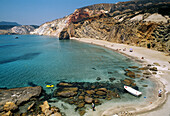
37,60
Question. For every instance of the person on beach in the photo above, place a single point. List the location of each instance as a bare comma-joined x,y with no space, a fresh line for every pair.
160,93
93,106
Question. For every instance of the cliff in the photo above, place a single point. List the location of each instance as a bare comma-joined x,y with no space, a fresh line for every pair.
140,23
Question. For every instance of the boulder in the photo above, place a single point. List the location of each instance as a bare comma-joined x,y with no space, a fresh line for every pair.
63,84
64,35
98,78
56,114
90,92
44,107
81,105
130,74
153,69
88,99
80,97
10,106
101,93
66,93
157,64
19,95
102,89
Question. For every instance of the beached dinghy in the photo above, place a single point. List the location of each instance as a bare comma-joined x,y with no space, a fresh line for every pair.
133,91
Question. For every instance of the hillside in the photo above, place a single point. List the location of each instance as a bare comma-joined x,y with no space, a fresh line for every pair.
139,23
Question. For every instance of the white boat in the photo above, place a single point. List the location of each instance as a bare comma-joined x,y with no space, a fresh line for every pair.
133,91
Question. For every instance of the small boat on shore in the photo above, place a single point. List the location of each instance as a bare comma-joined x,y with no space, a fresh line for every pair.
133,91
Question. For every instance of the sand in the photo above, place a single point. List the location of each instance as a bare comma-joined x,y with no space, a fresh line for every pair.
159,105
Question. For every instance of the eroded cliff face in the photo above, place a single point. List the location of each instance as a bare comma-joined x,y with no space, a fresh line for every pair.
140,23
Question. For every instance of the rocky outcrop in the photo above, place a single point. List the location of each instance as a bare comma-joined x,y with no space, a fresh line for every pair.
24,29
64,35
18,95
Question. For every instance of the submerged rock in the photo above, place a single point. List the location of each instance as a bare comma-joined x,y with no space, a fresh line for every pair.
88,99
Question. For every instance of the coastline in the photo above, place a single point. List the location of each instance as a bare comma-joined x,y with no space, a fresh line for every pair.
161,79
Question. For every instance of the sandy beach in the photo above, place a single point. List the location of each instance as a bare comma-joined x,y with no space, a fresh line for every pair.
159,105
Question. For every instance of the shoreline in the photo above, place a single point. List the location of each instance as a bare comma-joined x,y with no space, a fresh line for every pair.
150,57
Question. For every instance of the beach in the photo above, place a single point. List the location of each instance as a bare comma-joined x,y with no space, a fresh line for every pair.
155,105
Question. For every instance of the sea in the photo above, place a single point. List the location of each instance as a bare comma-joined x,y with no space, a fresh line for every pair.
33,60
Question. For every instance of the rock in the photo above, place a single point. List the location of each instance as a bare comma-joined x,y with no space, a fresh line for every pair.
65,84
24,29
145,85
143,68
138,75
98,78
70,89
10,106
157,64
9,113
81,105
90,92
101,93
66,93
127,81
110,72
82,112
64,35
102,89
19,95
31,106
130,74
55,109
112,79
81,97
44,107
153,69
147,73
154,73
133,66
88,99
156,18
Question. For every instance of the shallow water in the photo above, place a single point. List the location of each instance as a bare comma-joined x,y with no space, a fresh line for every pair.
33,60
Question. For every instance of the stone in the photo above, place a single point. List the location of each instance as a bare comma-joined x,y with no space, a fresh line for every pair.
9,113
90,92
130,74
157,64
81,105
81,97
88,99
98,78
10,106
154,73
82,112
44,107
101,93
153,69
138,75
31,106
55,109
147,73
65,84
143,68
145,85
102,89
70,89
19,95
66,93
133,66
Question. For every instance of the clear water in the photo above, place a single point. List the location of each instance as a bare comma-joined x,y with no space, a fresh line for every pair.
38,60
